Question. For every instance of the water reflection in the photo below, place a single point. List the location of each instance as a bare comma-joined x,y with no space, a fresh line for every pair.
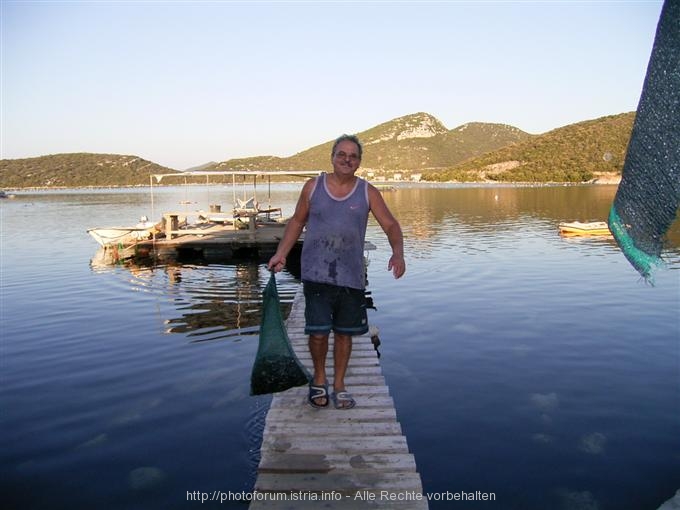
220,309
422,209
207,302
471,218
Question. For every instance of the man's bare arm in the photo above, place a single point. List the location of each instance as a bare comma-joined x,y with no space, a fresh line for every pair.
392,229
293,229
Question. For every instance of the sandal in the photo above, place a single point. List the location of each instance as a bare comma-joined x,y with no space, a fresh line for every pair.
343,400
316,393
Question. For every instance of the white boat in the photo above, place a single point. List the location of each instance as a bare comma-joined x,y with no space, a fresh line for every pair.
125,236
577,228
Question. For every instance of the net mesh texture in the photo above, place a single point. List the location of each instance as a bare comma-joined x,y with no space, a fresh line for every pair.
276,367
647,199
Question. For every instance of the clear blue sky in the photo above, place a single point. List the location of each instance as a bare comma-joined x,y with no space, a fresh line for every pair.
183,83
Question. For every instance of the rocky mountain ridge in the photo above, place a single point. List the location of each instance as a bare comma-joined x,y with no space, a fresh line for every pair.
408,144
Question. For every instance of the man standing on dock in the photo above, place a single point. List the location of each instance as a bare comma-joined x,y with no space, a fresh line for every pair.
334,208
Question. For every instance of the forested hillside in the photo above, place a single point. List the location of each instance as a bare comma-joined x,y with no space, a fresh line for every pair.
409,144
77,170
414,146
575,153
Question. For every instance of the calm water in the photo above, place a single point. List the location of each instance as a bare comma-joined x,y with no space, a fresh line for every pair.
538,368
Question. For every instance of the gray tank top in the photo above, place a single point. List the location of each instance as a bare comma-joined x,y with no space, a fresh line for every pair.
333,248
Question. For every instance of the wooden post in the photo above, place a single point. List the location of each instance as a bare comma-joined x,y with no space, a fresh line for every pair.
171,222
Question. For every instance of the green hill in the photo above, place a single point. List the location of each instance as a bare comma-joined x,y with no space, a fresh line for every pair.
77,170
575,153
413,144
408,144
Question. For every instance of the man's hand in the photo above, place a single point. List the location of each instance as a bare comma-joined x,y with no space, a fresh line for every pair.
276,263
397,265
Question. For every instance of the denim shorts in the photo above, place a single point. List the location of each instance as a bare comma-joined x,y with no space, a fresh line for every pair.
329,307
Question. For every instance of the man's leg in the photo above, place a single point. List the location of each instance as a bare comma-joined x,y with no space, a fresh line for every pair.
342,350
318,348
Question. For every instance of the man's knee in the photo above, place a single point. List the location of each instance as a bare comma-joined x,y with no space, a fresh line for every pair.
318,339
342,338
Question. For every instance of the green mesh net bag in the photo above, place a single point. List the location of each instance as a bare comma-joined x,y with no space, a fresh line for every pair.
647,199
276,366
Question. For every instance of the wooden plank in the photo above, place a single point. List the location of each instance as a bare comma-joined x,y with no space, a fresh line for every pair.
301,391
334,443
358,356
320,416
365,400
325,463
342,428
353,380
357,348
356,370
362,348
344,482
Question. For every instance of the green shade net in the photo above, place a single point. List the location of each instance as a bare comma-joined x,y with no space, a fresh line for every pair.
276,366
647,199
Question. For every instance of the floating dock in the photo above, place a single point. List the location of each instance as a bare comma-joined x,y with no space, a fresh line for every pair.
336,459
246,231
215,243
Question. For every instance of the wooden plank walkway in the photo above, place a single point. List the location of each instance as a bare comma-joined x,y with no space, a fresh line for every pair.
336,459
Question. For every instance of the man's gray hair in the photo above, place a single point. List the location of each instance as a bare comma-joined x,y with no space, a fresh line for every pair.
349,138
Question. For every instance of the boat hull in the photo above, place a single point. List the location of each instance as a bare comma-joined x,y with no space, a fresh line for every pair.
125,236
576,228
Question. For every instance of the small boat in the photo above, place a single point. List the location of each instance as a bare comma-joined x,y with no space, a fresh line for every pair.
126,236
5,195
577,228
385,187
